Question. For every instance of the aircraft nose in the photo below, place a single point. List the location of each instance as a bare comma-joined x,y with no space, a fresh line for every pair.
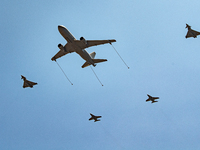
60,27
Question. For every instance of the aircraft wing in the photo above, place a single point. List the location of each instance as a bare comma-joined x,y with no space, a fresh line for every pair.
63,51
28,84
156,98
189,34
192,33
196,32
89,43
98,116
25,85
59,54
98,42
31,83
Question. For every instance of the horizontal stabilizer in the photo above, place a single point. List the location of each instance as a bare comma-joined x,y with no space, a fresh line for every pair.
94,60
85,64
99,60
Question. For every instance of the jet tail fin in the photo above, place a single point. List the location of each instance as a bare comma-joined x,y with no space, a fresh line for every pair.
92,55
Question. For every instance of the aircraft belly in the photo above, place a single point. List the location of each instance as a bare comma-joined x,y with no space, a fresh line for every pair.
84,54
69,47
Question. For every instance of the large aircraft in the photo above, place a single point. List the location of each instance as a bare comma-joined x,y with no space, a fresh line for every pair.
152,99
95,118
79,46
27,83
191,33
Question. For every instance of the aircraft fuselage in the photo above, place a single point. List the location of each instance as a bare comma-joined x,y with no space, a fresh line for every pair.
71,45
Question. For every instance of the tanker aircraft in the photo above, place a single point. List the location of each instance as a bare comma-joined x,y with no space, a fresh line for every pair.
79,46
95,118
152,99
191,33
27,83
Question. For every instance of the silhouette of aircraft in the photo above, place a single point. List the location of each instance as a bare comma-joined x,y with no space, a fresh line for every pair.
95,118
27,83
79,46
152,99
191,33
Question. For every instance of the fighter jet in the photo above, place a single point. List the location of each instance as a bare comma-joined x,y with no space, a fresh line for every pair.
152,99
191,33
27,83
79,46
95,118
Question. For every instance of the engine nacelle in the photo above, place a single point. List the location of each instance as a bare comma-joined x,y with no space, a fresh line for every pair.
83,40
62,48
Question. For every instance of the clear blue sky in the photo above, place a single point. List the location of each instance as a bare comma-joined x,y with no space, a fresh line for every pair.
54,114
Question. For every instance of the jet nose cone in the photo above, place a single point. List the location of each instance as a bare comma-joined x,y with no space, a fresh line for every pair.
60,27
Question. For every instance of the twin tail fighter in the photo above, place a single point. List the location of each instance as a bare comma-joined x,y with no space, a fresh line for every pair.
95,118
152,99
191,33
27,83
79,46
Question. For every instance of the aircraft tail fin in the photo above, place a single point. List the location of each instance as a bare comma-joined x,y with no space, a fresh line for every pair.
22,77
92,55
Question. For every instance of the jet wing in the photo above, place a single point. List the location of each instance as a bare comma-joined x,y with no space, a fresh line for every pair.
155,97
62,52
189,34
98,42
59,54
98,116
25,85
28,84
192,33
89,43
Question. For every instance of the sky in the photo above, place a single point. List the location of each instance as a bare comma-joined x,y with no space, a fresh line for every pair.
53,115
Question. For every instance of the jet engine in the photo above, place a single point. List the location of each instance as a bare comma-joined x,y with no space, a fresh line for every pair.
62,48
83,40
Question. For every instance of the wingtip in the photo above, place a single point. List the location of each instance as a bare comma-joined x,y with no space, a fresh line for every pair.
53,59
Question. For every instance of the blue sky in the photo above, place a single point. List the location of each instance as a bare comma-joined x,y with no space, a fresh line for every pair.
54,114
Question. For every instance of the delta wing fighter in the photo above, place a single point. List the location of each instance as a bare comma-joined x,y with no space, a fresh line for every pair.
191,33
27,83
